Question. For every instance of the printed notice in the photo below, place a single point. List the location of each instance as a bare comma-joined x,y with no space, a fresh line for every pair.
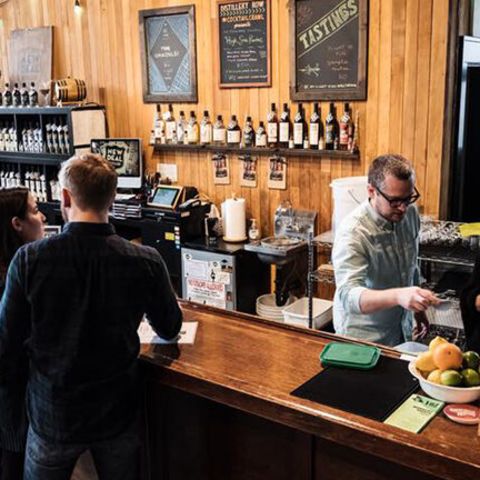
206,293
414,413
186,335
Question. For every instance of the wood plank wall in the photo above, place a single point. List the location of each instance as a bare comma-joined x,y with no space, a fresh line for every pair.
403,112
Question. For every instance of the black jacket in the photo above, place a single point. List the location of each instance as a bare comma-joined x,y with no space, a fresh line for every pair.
470,315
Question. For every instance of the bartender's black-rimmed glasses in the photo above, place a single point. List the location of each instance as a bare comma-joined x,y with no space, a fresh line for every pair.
397,202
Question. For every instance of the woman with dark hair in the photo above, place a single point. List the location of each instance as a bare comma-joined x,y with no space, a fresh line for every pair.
20,222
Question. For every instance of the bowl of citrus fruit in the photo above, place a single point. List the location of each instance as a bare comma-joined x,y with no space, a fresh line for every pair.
446,373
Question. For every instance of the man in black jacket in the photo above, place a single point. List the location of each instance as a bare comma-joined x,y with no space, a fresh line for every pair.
75,302
470,306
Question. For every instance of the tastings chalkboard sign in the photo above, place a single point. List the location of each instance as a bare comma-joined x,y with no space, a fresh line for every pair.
244,30
329,42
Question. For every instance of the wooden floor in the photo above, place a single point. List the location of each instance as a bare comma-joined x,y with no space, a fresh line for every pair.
85,470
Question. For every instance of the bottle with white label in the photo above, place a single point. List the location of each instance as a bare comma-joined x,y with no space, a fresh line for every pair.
24,95
206,129
272,127
234,134
181,128
158,124
170,124
345,128
299,128
261,136
284,127
16,96
192,129
219,132
314,131
248,133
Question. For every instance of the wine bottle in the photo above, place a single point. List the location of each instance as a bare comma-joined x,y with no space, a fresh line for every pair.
16,97
170,124
24,95
284,127
7,96
330,130
272,127
234,134
298,128
261,136
33,96
206,129
158,124
345,128
315,128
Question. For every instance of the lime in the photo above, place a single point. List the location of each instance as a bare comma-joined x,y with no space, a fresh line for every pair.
452,378
471,360
471,377
434,376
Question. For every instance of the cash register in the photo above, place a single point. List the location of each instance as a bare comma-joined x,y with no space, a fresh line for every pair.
172,216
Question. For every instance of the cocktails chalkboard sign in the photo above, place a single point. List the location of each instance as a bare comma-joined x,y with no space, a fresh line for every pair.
244,30
329,49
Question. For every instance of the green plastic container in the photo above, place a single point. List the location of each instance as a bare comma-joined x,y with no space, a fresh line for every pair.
350,355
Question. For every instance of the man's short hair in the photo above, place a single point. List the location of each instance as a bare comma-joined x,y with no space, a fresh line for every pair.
390,164
91,180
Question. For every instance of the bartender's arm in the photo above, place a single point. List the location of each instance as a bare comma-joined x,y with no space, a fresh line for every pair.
350,263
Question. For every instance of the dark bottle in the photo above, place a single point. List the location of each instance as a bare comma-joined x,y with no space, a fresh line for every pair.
7,96
346,129
24,95
315,129
272,127
330,129
33,96
16,97
299,128
284,127
248,134
234,133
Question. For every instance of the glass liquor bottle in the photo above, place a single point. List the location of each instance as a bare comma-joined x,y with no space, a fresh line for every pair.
314,131
170,124
7,96
299,128
158,124
33,96
248,134
192,129
24,95
330,129
16,97
219,132
261,136
182,128
345,128
272,127
206,129
234,134
284,127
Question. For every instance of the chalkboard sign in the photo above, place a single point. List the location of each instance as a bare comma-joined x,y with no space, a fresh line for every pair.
244,30
329,42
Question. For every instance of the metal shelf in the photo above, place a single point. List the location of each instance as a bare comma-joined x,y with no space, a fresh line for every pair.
33,158
285,152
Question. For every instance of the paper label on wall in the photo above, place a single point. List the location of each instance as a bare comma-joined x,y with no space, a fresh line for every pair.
206,293
195,268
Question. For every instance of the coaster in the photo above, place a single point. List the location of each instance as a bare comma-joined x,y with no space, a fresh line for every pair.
460,413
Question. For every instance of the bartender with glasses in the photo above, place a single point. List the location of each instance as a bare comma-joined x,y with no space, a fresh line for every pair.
375,260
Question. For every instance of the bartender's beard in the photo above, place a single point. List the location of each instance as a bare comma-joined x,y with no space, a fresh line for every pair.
393,215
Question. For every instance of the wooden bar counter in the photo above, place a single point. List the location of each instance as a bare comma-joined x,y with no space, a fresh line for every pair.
222,409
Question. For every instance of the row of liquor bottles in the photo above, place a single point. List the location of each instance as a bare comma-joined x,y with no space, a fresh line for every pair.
30,138
279,131
33,179
19,97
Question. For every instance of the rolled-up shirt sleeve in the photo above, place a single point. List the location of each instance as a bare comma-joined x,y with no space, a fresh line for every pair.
351,267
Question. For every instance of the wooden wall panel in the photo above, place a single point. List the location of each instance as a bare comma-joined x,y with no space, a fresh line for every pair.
403,112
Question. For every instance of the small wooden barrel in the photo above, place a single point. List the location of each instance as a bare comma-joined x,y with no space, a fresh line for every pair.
70,90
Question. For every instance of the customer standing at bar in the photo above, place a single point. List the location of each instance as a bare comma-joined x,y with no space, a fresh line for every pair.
75,301
20,222
375,260
470,307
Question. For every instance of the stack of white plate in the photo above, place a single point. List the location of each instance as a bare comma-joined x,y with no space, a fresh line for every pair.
267,308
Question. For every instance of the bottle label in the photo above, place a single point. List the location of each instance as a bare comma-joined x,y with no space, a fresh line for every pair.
329,134
344,134
272,132
206,133
284,132
261,140
219,135
298,134
169,130
314,131
233,136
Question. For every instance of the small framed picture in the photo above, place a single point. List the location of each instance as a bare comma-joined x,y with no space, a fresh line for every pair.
221,169
277,173
248,171
51,230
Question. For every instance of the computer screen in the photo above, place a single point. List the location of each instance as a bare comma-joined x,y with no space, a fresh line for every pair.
125,155
165,196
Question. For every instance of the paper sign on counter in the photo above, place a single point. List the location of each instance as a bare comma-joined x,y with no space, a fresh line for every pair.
414,413
187,334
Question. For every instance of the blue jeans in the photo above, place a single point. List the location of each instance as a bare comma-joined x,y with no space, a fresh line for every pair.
117,458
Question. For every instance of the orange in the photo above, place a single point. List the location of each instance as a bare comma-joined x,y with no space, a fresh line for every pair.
436,342
447,357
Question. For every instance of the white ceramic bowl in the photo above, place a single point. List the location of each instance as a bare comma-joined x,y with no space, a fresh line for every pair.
444,393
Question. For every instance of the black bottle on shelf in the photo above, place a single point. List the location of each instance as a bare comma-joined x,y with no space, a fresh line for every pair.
33,96
315,129
299,128
24,95
16,96
284,127
331,134
7,96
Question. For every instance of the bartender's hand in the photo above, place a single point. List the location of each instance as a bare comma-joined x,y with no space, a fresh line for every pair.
421,327
416,299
